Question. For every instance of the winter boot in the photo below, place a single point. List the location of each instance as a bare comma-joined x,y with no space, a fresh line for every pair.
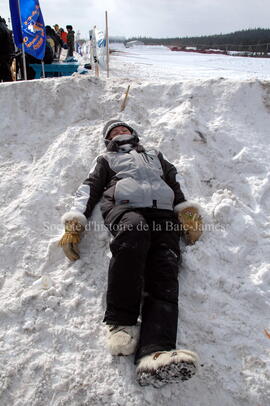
163,367
122,340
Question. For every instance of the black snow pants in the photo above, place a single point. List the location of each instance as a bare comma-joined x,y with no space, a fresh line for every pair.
143,277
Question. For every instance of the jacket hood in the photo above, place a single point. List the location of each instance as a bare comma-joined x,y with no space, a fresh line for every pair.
110,125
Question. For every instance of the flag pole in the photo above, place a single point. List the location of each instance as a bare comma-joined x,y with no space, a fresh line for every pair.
43,69
107,43
23,52
24,63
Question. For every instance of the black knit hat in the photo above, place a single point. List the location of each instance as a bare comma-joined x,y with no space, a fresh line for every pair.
116,123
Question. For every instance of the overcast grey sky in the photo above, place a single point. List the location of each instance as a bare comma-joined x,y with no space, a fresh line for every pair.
156,18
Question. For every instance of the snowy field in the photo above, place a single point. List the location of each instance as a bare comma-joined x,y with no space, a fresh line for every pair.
159,62
210,115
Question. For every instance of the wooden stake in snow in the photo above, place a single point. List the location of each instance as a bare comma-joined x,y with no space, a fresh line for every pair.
107,43
266,333
123,105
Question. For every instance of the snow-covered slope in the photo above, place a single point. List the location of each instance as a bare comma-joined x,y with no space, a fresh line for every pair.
53,341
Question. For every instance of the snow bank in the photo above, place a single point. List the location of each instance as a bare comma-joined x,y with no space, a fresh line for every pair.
53,340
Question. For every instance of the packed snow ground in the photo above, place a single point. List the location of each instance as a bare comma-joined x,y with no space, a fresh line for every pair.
53,340
159,62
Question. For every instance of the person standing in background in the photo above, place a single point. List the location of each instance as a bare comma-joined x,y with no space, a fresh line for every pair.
63,35
57,29
70,40
59,43
7,52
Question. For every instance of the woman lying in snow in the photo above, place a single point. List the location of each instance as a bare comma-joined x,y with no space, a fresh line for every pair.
142,206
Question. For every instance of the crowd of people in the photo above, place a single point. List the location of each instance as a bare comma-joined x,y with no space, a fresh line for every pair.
56,40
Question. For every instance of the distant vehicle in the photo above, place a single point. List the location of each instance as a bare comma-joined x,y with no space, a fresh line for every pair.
131,44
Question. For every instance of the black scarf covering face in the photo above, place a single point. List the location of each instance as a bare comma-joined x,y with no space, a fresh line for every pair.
124,143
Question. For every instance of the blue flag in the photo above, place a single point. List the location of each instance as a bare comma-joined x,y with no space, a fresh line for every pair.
28,28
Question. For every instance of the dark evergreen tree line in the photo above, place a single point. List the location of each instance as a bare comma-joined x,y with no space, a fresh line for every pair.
257,39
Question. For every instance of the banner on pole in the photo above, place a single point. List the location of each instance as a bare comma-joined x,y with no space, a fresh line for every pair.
28,26
94,51
101,47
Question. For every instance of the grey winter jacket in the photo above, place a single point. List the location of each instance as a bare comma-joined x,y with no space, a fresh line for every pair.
128,180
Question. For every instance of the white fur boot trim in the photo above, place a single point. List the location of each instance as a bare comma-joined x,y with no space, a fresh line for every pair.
122,340
163,367
72,215
181,206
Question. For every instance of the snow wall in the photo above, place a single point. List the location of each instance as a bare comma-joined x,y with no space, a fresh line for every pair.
52,341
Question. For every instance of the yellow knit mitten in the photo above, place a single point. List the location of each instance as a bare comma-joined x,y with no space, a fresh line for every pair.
191,222
71,238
